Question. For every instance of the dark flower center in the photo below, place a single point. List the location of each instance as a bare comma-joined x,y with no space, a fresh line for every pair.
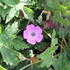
33,34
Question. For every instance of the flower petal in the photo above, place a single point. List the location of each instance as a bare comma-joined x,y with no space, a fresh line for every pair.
30,27
38,29
31,41
25,34
39,37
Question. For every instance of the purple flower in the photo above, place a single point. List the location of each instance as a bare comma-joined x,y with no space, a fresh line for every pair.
33,34
49,24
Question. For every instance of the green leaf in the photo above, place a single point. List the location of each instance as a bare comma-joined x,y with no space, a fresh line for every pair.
54,40
10,2
62,63
9,42
33,67
0,1
58,17
12,13
2,68
4,12
9,34
47,56
11,29
40,46
18,44
9,55
28,13
0,28
40,18
27,2
53,4
67,49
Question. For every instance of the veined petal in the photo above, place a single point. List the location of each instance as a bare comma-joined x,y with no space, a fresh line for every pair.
30,27
38,29
25,34
31,41
39,38
33,34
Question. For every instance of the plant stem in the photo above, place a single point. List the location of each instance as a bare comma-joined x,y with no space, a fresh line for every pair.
64,41
29,65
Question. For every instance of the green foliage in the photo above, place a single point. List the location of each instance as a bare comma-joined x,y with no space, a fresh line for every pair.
18,44
53,4
59,8
53,50
11,29
67,50
54,39
0,29
62,63
63,32
28,13
40,46
11,14
8,40
10,2
14,11
4,11
47,56
9,55
2,68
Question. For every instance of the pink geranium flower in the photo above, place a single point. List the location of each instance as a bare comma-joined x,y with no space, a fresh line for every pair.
33,34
